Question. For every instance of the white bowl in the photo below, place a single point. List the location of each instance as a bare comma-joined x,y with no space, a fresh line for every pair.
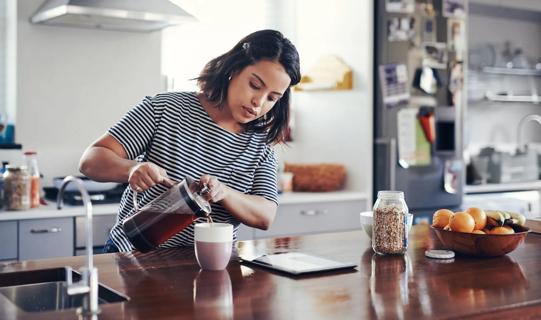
367,220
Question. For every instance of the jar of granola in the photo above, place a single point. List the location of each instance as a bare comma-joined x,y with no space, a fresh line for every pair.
389,230
17,188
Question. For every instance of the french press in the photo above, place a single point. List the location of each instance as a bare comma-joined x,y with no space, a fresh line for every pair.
168,214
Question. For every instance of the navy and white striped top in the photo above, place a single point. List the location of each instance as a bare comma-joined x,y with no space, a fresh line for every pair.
174,131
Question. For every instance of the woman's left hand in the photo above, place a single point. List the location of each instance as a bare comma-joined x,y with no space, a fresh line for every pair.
217,190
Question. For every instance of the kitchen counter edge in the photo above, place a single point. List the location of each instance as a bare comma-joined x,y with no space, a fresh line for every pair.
49,211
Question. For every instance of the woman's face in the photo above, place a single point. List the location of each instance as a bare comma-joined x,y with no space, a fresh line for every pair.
254,91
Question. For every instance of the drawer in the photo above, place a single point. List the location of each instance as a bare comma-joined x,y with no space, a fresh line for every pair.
245,232
304,218
101,225
45,238
8,240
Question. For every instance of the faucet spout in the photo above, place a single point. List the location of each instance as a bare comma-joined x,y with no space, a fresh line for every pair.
521,147
88,285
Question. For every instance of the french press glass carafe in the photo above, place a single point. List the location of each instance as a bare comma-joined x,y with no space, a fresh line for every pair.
168,214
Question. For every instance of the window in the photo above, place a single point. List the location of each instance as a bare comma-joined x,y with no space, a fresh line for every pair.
8,68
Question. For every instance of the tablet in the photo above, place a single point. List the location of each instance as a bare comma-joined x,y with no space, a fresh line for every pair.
297,263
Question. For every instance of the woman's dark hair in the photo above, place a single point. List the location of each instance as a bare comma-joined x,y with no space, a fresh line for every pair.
261,45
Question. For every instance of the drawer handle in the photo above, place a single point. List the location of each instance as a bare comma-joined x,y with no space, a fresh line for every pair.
313,212
51,230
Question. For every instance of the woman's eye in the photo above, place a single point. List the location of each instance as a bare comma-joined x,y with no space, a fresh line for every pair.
253,85
271,99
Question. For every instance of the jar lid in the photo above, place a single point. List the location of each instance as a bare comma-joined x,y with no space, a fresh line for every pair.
12,168
390,194
440,254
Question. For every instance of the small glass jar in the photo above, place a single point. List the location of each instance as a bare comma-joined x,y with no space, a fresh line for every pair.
17,188
389,230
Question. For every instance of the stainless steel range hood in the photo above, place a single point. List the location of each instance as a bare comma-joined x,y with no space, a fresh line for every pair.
123,15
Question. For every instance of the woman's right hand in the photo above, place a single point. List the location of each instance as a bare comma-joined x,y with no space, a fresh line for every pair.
146,175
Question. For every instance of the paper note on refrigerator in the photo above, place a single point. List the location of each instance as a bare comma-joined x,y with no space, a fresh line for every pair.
413,148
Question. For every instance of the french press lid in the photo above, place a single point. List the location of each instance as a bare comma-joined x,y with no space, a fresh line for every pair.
192,192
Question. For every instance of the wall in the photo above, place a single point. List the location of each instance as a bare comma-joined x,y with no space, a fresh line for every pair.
335,126
74,83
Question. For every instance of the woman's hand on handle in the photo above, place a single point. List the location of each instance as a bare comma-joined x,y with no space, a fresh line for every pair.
145,175
217,191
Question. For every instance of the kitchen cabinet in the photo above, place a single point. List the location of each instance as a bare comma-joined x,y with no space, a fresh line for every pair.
101,225
45,238
8,240
307,218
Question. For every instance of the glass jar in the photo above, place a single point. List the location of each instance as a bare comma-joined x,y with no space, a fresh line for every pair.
389,230
31,162
17,188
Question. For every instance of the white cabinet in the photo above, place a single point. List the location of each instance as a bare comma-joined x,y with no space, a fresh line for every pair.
316,217
101,226
8,240
45,238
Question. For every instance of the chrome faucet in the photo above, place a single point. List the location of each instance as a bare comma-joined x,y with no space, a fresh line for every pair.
531,117
88,285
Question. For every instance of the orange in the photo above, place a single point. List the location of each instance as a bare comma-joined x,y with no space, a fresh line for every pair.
462,222
478,232
441,218
479,216
502,230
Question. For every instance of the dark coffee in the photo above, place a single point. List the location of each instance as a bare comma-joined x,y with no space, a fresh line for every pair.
147,229
213,255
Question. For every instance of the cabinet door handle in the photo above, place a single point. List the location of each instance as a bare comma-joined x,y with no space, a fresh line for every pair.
313,212
51,230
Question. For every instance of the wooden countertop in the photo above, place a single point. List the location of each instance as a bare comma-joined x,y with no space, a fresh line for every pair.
168,284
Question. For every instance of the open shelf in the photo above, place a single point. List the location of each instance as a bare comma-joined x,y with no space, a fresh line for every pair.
513,98
513,71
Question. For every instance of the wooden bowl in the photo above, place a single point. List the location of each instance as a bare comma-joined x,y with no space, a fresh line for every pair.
481,245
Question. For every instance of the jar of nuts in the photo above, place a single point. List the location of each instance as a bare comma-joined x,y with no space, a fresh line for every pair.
17,188
389,230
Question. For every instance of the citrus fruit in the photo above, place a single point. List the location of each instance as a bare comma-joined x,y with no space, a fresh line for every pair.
478,232
502,230
441,218
479,216
462,222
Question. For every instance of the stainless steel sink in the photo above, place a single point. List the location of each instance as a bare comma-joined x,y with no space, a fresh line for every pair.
45,290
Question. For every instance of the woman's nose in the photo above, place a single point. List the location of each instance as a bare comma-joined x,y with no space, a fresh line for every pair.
257,101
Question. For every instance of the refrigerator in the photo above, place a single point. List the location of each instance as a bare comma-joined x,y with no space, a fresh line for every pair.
419,52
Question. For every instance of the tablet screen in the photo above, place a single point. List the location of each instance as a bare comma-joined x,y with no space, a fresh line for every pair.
297,263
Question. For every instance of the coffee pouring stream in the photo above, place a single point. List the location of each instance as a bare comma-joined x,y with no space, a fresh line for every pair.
171,212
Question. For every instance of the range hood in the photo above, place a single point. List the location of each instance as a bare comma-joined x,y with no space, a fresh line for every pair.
123,15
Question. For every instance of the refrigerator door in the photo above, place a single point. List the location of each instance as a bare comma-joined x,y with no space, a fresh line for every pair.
437,183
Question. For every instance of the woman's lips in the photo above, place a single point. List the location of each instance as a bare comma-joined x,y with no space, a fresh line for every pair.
250,111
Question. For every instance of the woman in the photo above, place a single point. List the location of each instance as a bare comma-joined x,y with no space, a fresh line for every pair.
221,134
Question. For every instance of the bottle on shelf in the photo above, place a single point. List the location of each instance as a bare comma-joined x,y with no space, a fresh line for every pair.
31,162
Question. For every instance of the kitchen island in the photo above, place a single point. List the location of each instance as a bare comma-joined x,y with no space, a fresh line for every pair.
168,283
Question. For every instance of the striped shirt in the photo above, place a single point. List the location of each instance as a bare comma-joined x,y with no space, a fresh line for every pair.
173,131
